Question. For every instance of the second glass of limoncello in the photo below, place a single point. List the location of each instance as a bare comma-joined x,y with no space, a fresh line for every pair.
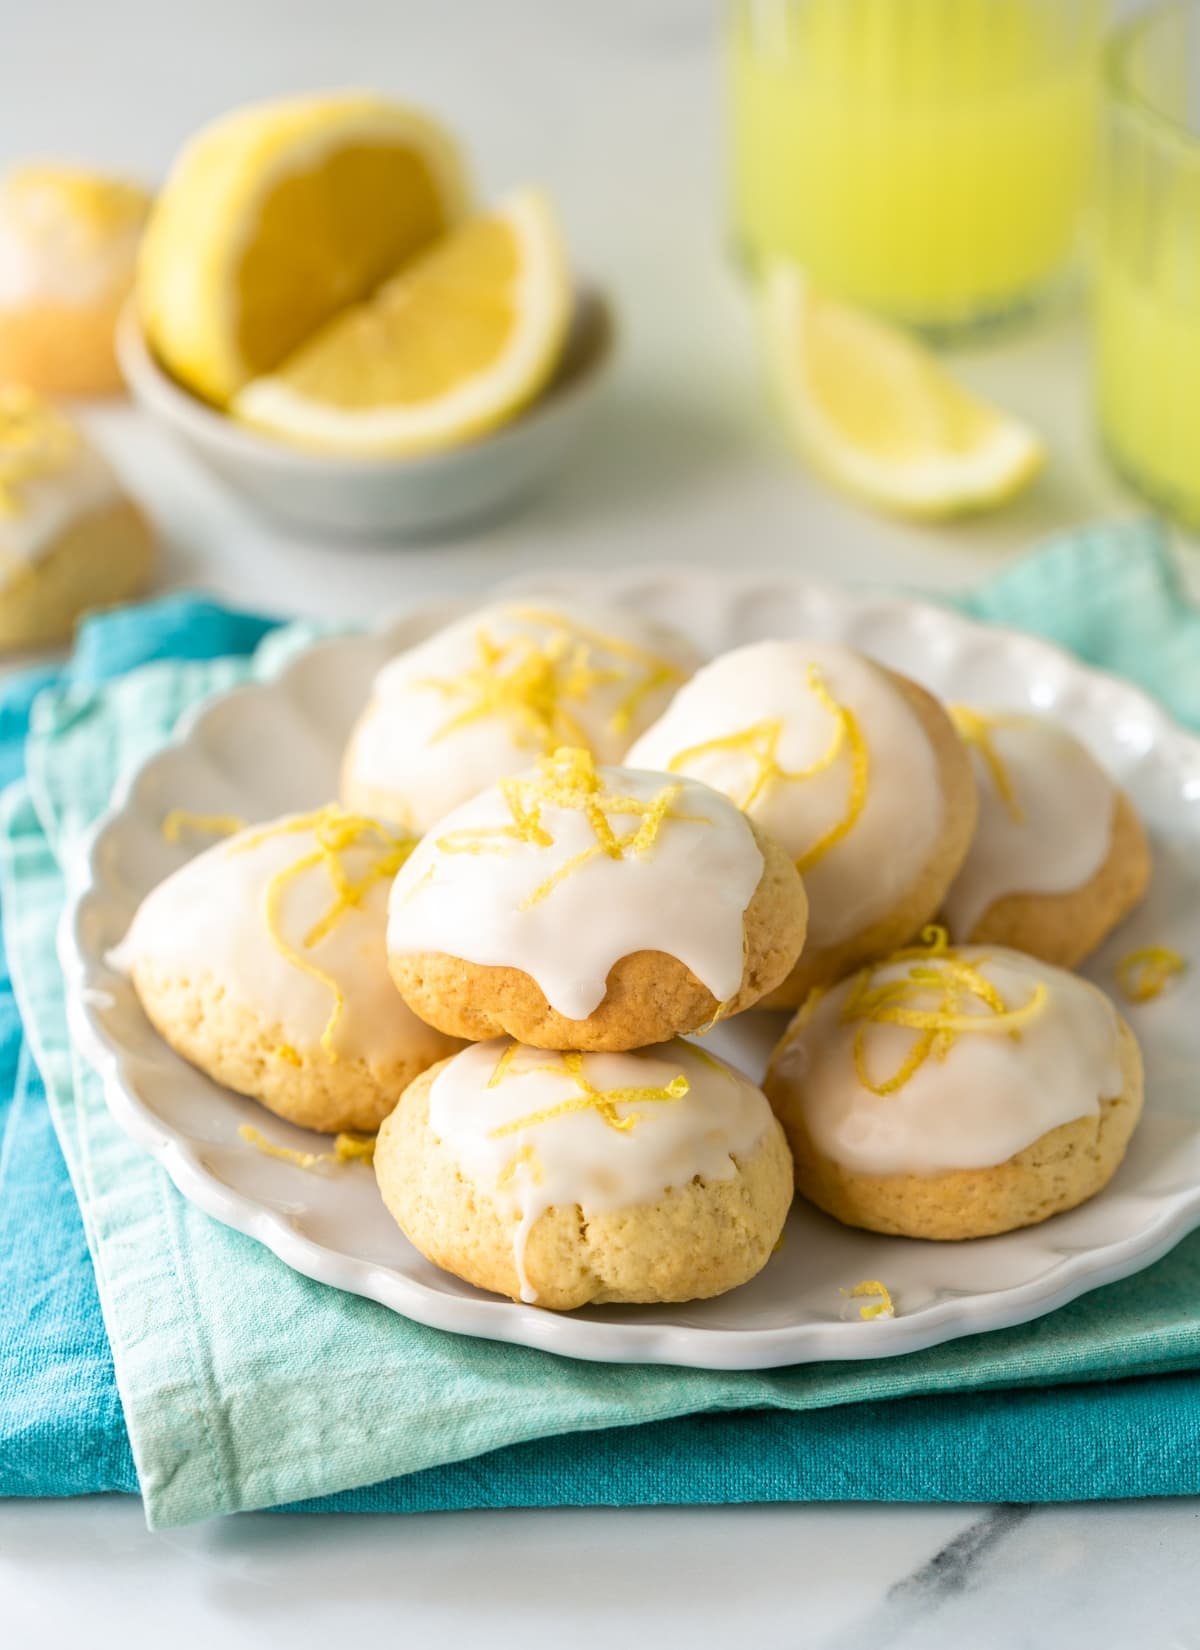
930,159
1147,304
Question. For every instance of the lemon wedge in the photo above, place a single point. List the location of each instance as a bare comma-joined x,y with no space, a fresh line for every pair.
278,215
875,411
456,343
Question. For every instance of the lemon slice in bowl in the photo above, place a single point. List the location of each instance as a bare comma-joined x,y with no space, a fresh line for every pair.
876,412
278,215
455,344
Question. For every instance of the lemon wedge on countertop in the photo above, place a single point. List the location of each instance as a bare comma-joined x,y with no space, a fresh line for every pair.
456,343
874,410
278,215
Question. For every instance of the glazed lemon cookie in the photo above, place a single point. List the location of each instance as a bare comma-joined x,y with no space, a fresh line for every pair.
580,907
857,772
956,1093
486,696
564,1179
1059,856
68,250
70,539
262,962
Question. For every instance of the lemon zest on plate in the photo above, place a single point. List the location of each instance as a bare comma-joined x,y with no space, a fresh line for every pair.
347,1148
877,1294
180,822
1145,973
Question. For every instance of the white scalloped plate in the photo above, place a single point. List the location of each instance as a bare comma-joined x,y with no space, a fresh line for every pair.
266,749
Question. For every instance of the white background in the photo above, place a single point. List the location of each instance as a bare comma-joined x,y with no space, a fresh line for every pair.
613,106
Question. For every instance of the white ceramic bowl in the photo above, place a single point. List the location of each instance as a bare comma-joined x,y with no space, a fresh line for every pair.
385,498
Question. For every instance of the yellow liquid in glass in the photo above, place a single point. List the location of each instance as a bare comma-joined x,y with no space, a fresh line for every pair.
1147,290
1149,390
928,158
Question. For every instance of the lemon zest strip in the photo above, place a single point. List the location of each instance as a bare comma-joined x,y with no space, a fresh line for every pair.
1144,973
976,729
589,1098
336,833
660,672
528,1159
569,780
521,682
179,822
761,743
354,1148
529,683
347,1148
933,966
878,1293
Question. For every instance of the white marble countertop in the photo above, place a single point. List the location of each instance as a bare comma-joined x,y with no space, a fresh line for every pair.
614,108
1102,1577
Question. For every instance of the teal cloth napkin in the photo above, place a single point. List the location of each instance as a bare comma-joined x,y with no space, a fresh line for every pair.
245,1385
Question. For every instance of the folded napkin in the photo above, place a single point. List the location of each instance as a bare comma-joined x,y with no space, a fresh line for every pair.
244,1385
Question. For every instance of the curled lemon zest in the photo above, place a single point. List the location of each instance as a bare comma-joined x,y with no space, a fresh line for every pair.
35,441
877,1293
1144,974
976,729
761,743
568,780
588,1098
354,1148
934,967
527,1159
500,1070
531,684
659,671
347,1148
336,834
180,822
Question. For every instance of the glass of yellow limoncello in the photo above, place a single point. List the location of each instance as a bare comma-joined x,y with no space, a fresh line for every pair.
1147,299
928,158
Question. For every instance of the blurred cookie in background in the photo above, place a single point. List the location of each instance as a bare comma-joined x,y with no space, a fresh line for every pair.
70,537
68,249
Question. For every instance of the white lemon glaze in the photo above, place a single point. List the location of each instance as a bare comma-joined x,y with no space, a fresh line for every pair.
209,919
50,476
868,871
428,739
472,890
1049,835
990,1094
49,505
53,252
603,1132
